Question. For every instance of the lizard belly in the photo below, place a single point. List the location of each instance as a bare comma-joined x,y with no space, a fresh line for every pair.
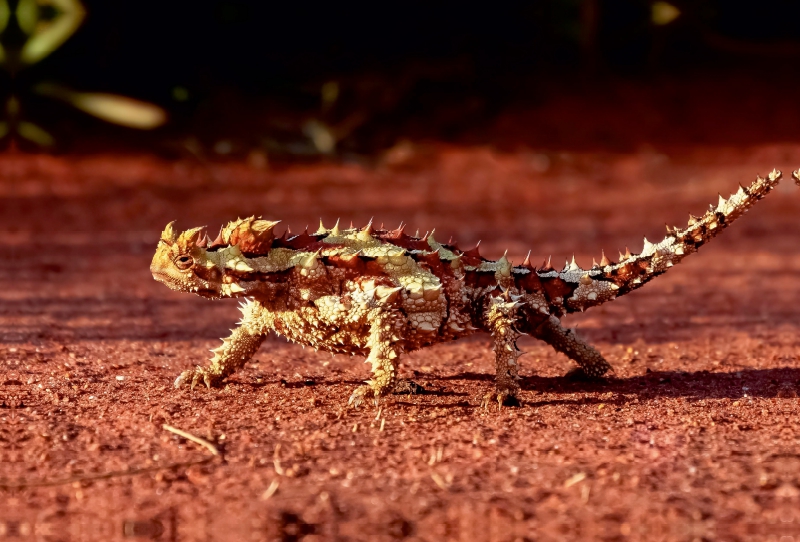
310,327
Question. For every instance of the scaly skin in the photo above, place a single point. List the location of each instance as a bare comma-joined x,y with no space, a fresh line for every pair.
378,293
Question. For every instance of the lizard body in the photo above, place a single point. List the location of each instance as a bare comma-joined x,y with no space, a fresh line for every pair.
379,293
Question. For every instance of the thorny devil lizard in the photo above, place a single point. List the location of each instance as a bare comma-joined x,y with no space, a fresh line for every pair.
380,293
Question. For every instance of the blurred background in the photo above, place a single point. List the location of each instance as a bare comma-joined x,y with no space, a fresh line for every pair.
285,81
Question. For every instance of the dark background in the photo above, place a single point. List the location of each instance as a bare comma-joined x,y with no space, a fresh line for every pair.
557,74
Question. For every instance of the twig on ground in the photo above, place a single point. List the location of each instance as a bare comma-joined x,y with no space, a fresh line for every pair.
188,436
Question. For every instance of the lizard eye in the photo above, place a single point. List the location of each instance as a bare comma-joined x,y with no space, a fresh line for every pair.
184,262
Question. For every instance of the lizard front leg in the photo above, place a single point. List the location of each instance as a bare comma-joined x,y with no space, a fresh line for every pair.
566,341
234,352
384,350
501,319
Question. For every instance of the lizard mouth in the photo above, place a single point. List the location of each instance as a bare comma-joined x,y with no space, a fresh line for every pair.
181,286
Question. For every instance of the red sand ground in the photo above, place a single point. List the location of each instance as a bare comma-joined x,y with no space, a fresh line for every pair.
693,438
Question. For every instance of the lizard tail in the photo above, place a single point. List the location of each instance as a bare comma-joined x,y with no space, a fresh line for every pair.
608,280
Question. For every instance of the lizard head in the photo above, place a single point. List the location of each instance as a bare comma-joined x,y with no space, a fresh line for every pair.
182,262
189,262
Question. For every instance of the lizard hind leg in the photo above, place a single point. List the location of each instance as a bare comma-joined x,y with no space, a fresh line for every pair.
501,318
566,341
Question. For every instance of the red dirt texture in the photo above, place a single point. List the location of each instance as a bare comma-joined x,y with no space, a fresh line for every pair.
692,438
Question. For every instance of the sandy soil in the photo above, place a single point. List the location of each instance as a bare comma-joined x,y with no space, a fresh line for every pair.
694,437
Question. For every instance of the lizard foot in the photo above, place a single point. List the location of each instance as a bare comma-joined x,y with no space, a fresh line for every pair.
195,376
360,394
502,395
408,387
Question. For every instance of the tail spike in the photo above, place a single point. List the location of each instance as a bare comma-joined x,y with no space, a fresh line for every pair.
547,265
335,229
603,260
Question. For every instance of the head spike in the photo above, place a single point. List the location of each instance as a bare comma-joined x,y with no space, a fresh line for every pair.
322,230
547,265
190,238
220,240
335,230
648,247
527,261
627,253
603,260
169,235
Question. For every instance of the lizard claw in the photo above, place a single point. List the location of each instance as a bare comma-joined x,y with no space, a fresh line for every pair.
504,396
359,396
194,377
181,379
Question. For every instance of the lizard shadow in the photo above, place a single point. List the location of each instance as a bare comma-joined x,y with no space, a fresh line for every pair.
777,382
331,382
